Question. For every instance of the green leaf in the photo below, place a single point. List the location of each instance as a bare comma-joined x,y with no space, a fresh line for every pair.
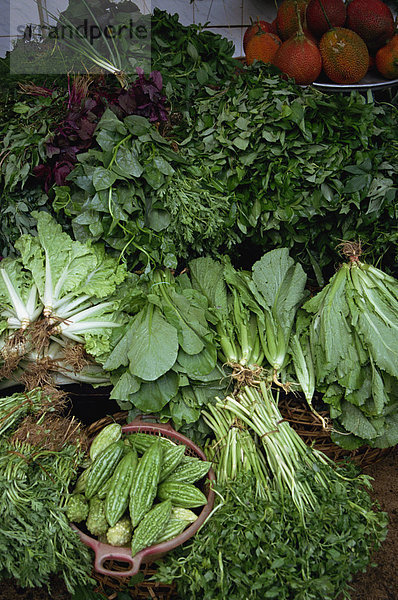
111,123
154,346
154,395
207,276
58,264
125,386
103,179
202,76
356,183
356,422
198,365
192,51
279,283
137,125
163,166
127,163
119,355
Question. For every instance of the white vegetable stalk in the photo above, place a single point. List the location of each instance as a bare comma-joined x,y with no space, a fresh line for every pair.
78,324
20,308
67,305
21,311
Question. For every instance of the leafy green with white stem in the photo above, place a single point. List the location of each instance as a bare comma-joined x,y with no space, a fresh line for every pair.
232,310
18,295
59,293
352,324
278,285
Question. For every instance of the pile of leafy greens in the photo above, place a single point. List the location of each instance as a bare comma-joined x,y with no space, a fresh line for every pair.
193,336
36,540
242,158
137,193
59,124
57,314
299,180
348,333
257,548
164,359
253,312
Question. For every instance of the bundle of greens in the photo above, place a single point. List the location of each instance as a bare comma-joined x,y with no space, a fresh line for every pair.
57,313
137,193
165,358
347,334
13,409
40,455
287,522
255,548
253,313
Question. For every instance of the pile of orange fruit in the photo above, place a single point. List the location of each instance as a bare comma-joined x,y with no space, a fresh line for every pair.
341,39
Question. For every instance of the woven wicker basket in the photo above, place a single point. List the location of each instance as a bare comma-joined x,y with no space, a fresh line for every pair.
309,427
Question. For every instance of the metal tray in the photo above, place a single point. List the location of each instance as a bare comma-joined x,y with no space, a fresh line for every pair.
372,81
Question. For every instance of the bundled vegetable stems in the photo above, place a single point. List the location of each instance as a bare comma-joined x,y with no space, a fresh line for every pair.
346,342
54,321
253,312
283,512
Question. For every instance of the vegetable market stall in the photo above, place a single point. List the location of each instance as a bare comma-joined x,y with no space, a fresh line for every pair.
170,239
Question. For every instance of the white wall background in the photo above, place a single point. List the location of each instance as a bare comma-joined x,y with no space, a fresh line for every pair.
227,17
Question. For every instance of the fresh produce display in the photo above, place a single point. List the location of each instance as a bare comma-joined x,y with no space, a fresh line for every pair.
297,180
56,308
170,233
249,547
40,454
150,484
293,493
351,327
345,32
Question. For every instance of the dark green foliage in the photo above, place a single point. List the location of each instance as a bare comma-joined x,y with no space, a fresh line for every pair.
305,169
36,539
252,549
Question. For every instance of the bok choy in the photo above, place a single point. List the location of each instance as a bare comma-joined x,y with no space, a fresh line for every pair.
58,308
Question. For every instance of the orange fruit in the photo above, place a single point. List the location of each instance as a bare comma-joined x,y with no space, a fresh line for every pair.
262,46
255,28
286,17
345,56
387,59
299,58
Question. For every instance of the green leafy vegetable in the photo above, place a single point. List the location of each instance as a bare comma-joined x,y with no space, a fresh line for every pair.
53,310
352,326
249,547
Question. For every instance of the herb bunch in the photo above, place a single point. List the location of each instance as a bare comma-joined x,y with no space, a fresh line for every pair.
253,548
40,455
298,180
